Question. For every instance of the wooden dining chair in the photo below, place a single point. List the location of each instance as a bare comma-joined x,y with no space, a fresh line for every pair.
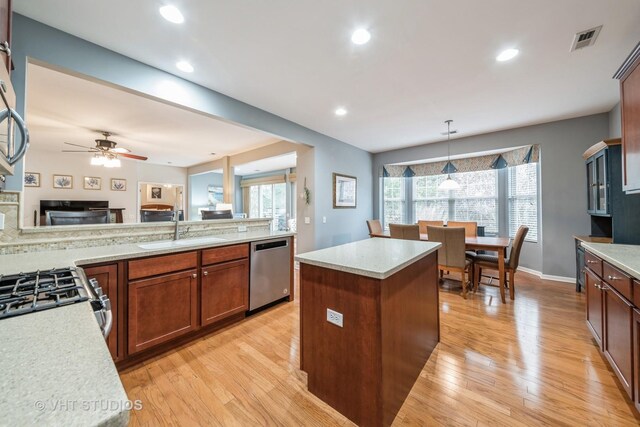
404,231
470,227
490,262
375,227
452,255
423,224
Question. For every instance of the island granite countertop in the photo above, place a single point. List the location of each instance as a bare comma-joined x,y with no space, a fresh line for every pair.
625,257
375,257
57,369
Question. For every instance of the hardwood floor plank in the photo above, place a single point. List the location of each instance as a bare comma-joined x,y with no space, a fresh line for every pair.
529,362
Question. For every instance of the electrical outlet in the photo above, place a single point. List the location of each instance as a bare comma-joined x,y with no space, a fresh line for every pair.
324,219
1,221
307,220
334,317
242,228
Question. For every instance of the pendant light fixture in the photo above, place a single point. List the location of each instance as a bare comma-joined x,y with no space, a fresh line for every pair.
448,184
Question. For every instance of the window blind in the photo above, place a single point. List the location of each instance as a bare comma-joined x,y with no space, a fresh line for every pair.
523,199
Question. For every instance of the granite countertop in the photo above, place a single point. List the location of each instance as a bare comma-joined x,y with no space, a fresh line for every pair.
61,371
15,263
57,370
625,257
378,258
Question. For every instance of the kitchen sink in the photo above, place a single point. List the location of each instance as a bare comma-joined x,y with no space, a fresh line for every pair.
198,241
178,243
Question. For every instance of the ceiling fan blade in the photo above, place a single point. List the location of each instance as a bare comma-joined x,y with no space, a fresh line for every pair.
83,146
77,151
120,150
132,156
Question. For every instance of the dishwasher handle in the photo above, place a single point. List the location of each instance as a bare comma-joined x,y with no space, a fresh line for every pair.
274,244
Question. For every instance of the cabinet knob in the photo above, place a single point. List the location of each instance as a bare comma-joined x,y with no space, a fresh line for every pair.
194,276
205,273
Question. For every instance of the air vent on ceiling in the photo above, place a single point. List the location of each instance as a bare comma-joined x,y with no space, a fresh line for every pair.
585,38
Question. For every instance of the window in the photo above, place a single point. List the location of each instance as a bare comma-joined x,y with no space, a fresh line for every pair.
523,199
269,201
394,201
476,200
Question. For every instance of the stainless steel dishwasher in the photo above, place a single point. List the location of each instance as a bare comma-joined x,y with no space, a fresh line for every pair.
270,271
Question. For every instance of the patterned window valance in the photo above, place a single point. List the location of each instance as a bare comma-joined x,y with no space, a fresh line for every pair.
515,157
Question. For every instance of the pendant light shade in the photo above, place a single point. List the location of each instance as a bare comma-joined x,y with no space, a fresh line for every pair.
448,184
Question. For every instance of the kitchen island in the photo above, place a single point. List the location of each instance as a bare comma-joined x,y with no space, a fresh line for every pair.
369,320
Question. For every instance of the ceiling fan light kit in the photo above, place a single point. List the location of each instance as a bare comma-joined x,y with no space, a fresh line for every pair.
105,153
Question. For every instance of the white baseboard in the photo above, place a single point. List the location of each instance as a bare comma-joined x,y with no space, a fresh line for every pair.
563,279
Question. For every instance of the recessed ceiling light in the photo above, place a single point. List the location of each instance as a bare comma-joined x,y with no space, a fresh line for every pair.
341,111
184,66
360,36
172,14
508,54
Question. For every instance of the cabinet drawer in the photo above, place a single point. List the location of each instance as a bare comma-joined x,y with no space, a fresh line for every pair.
226,253
162,264
593,262
617,279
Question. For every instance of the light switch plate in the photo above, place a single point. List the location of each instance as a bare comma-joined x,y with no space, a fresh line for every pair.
307,220
334,317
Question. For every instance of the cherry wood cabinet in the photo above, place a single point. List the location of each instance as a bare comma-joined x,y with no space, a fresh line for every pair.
107,277
618,336
162,308
224,291
629,76
636,357
593,288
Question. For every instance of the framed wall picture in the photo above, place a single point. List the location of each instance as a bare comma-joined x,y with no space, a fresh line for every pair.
31,179
214,195
92,183
345,189
156,192
118,184
64,182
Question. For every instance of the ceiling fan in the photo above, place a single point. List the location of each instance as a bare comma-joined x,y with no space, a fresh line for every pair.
106,152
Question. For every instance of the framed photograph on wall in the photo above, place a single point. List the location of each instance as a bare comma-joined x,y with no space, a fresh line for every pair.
64,182
214,195
345,189
92,183
118,184
31,179
156,192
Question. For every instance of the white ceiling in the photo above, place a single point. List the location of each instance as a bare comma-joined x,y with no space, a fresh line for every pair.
427,61
61,107
269,164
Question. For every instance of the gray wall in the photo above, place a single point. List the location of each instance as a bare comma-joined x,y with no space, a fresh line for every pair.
562,181
615,122
199,191
32,39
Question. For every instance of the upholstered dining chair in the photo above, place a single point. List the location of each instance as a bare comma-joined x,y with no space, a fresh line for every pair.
470,227
403,231
490,262
375,227
452,255
423,224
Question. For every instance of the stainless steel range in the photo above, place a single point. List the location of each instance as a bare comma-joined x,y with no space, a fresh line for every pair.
41,290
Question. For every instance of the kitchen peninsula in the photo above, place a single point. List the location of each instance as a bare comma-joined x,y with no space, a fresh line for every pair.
369,320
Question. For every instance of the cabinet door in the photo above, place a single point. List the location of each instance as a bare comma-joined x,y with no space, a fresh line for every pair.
630,108
5,32
601,193
161,309
594,305
580,264
591,186
636,358
225,290
618,336
107,277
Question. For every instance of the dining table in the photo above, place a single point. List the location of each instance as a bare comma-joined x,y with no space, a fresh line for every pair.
479,243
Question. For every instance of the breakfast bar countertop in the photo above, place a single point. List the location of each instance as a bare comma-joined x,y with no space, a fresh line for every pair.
625,257
375,257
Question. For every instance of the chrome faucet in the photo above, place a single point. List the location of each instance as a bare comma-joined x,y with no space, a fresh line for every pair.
176,233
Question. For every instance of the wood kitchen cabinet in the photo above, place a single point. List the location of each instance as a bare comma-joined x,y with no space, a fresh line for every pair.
225,290
629,76
593,287
107,277
636,358
618,336
162,308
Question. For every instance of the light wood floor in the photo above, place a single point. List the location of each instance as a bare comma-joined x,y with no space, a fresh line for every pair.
529,362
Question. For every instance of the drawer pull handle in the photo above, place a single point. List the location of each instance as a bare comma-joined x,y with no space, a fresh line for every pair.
610,277
591,262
